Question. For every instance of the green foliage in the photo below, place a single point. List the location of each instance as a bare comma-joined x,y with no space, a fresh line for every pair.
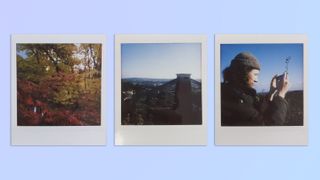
64,89
29,69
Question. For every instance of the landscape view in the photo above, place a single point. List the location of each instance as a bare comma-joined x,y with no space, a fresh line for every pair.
157,86
59,84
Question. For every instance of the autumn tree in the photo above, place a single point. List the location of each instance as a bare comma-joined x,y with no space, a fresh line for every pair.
59,84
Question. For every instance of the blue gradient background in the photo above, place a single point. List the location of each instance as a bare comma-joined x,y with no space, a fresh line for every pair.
165,16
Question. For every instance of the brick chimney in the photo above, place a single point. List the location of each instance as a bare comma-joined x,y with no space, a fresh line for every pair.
183,98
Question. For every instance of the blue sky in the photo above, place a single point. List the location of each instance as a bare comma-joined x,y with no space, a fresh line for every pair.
160,60
272,61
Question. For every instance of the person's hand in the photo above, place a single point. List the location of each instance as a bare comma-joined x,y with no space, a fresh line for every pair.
273,87
283,85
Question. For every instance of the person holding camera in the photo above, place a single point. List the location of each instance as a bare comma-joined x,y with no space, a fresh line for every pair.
240,104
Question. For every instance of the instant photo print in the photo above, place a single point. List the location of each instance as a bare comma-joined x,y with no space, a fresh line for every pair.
261,86
160,90
56,90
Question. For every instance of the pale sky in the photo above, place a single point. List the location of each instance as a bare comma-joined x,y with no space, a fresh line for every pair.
160,60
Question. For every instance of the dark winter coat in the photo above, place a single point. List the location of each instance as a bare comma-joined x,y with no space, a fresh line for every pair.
242,107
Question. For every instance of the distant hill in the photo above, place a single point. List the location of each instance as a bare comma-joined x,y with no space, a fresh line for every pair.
295,112
146,81
151,81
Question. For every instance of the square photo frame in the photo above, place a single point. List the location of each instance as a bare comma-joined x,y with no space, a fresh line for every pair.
261,89
57,90
160,90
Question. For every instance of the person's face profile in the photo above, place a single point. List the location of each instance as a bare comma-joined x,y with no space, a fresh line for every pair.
253,76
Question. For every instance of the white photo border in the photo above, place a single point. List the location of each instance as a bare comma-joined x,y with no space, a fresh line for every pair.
262,135
160,134
55,135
